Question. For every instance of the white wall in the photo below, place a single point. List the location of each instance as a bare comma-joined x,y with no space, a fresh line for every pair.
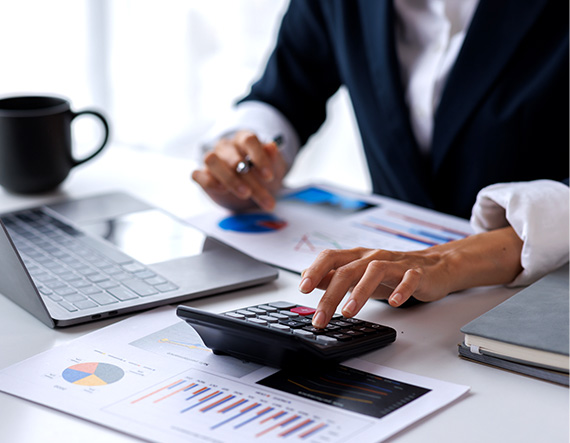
162,71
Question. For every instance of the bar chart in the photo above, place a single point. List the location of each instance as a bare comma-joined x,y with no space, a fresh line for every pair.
198,404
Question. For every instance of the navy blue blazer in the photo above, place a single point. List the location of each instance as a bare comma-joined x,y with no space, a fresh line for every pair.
503,115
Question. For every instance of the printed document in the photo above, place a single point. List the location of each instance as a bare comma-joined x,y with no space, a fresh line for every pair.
150,376
309,220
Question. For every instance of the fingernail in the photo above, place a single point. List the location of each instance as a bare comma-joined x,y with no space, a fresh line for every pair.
396,299
305,286
243,191
267,174
349,309
319,320
267,204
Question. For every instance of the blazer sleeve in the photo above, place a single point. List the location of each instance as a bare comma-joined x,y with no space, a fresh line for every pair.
538,212
301,73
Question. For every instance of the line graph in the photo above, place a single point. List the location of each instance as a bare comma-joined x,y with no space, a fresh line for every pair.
347,388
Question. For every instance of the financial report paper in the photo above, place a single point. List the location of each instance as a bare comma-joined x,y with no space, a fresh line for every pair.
311,219
151,376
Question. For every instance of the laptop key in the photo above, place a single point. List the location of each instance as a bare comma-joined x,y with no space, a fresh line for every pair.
133,267
65,291
108,284
110,253
85,304
140,287
122,293
67,306
165,287
98,277
155,280
103,298
73,298
89,290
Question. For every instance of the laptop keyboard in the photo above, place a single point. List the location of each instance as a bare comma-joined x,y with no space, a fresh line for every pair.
75,271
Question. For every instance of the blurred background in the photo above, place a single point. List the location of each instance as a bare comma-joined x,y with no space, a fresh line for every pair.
162,72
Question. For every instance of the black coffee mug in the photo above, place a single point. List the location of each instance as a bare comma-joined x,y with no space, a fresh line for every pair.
35,142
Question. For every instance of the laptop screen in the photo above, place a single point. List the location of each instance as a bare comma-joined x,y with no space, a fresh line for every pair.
170,238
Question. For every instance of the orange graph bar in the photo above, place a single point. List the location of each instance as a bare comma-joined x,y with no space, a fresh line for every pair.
158,390
200,390
277,414
234,404
294,428
264,410
215,403
282,423
208,396
249,407
174,392
310,431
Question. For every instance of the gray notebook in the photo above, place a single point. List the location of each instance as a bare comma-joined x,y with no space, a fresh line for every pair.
530,328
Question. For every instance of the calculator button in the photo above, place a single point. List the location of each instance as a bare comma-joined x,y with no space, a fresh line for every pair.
257,321
303,310
340,323
279,327
331,327
289,314
282,305
366,330
305,320
292,323
246,313
268,318
314,330
267,308
353,333
353,321
374,326
303,333
279,316
325,339
235,315
256,311
341,336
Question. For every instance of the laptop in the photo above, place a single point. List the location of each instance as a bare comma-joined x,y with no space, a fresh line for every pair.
81,260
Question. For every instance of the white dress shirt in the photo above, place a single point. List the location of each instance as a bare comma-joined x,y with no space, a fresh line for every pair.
429,36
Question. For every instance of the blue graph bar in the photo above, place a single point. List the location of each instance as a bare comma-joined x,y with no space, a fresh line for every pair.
260,414
198,393
239,403
313,432
177,384
218,404
201,401
235,416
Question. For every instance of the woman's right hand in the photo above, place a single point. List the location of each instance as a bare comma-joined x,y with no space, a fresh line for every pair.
231,190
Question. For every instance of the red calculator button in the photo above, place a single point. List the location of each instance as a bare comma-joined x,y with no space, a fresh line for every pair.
303,310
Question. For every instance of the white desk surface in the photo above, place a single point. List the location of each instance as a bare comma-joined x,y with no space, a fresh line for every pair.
501,406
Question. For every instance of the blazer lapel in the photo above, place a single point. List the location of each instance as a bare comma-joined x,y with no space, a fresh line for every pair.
495,31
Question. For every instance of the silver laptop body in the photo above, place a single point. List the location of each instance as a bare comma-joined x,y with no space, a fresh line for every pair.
87,259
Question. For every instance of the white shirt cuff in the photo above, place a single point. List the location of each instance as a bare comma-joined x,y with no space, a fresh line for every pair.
538,212
260,118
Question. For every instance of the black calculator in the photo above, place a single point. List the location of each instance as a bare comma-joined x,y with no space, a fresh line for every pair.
280,334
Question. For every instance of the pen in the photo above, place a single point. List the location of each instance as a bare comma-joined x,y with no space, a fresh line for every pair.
244,166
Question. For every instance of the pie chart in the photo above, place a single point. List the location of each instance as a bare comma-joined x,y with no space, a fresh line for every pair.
92,374
252,223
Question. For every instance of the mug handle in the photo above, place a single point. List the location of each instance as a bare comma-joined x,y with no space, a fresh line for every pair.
105,138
